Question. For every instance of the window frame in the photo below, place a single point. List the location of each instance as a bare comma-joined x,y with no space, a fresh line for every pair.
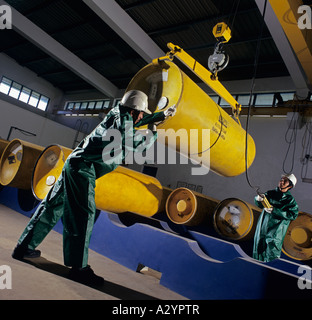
41,97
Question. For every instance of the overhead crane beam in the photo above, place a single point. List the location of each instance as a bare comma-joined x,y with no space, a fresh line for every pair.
300,39
295,69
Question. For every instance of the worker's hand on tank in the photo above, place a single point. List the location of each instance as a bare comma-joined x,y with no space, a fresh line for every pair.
259,197
268,210
170,112
152,127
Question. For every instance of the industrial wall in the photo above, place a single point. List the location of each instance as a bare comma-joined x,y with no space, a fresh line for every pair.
12,70
47,131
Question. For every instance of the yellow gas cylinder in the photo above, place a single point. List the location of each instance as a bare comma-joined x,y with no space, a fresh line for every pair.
17,163
119,191
126,190
235,219
166,86
48,168
184,206
298,239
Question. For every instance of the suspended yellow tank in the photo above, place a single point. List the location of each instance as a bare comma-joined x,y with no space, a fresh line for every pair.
119,191
298,239
234,219
166,86
188,207
17,163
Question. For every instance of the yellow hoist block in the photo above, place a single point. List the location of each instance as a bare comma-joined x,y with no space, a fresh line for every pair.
222,32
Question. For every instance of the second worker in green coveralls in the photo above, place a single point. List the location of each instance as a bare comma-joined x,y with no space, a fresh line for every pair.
72,196
273,222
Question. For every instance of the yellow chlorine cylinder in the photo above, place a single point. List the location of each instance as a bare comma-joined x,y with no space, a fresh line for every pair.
235,219
119,191
48,168
166,86
125,190
298,239
187,207
17,163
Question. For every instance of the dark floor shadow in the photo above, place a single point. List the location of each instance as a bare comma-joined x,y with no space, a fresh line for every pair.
110,288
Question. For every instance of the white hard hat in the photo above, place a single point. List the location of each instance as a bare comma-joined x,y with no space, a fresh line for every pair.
291,177
136,99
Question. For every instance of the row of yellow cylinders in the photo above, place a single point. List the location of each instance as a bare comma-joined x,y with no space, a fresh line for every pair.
24,165
126,190
28,166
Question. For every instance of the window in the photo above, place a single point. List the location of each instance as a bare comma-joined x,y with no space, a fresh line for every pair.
264,100
15,90
223,103
91,105
43,103
287,96
24,94
99,105
244,100
84,106
5,85
116,102
87,105
215,99
34,99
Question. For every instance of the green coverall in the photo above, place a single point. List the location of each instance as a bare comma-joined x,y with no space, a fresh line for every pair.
272,227
72,196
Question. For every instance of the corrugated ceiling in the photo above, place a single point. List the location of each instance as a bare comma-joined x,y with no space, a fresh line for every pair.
187,23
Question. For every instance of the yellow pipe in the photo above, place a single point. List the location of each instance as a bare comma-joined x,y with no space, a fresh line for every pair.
119,191
298,239
17,163
166,86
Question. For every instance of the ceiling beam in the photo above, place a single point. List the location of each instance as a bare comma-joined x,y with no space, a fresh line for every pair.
294,68
301,40
45,42
113,15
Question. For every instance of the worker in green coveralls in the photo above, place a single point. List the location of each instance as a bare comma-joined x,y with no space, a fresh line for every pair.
273,222
72,196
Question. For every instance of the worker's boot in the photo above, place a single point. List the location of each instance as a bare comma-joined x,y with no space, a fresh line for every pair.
21,252
86,276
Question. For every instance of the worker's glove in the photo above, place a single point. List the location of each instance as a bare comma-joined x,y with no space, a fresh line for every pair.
259,198
268,210
170,112
152,127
